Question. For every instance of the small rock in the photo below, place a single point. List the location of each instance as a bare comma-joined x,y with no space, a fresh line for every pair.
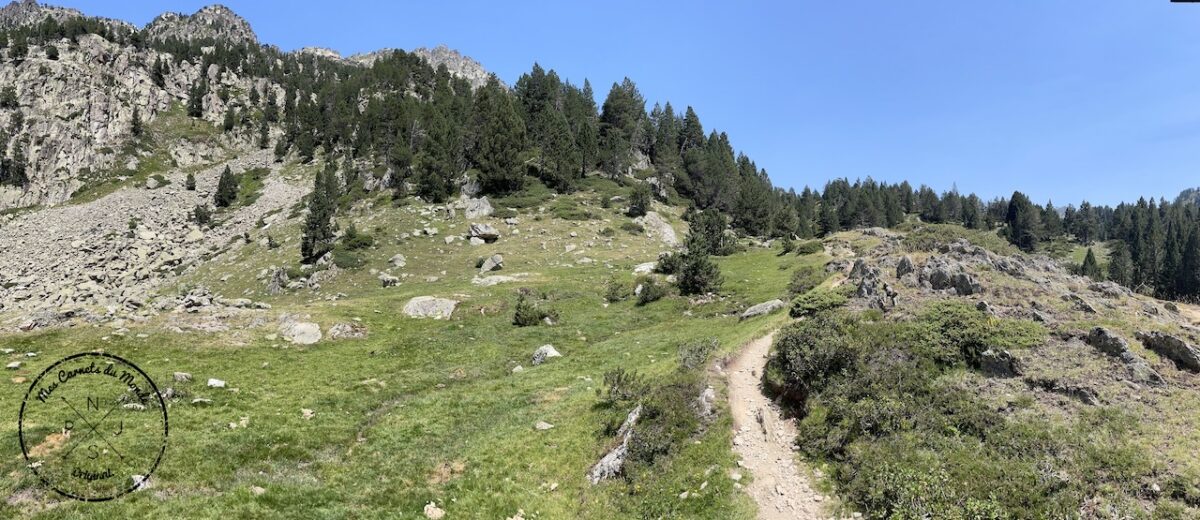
13,365
216,383
307,414
257,491
543,426
182,377
433,512
543,353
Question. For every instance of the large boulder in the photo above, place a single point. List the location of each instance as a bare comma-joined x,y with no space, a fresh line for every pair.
942,274
658,227
543,353
491,263
484,232
763,309
1107,342
388,280
398,260
1184,355
905,266
430,307
478,208
299,332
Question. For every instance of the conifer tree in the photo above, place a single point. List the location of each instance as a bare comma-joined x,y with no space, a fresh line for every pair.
639,200
264,135
1090,268
190,183
500,139
1120,265
318,237
135,125
227,189
1023,222
230,119
195,105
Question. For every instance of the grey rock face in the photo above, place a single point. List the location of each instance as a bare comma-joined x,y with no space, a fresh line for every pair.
942,273
430,307
1183,354
905,266
658,227
763,308
214,21
999,362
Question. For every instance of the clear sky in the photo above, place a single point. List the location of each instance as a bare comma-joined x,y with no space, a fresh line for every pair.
1065,100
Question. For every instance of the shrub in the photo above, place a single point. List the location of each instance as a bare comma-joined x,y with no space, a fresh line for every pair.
202,215
622,387
652,291
694,354
809,247
805,278
817,300
607,232
639,200
633,228
528,313
352,240
346,259
669,263
668,420
615,291
698,274
190,183
786,244
930,237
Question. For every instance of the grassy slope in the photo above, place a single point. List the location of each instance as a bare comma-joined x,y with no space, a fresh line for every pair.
420,410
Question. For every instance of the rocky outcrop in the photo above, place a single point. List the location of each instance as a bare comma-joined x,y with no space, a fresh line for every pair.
657,227
211,22
485,232
1177,350
456,63
299,332
491,263
941,273
477,208
611,463
1110,344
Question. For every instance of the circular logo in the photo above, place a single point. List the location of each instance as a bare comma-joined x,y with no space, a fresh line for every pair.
93,427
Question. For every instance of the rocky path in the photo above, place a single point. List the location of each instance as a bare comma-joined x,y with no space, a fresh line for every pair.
763,440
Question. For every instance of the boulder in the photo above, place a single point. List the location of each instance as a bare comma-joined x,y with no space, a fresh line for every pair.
488,281
543,353
347,331
430,307
478,208
1184,355
300,332
398,261
1139,370
388,280
1079,303
659,228
492,263
905,266
999,362
763,309
1107,342
484,232
645,268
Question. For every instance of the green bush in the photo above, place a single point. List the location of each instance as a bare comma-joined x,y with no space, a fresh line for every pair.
201,215
352,240
639,200
698,274
346,259
528,313
669,263
652,291
930,237
883,401
805,278
810,247
633,228
694,354
615,290
817,300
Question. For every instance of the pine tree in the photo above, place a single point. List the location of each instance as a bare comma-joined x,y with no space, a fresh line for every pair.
195,105
698,274
318,237
639,200
158,72
1189,275
264,135
500,140
1023,222
135,125
1120,265
230,119
227,189
1090,268
190,183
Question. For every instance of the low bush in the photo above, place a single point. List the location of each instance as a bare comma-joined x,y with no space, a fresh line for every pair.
805,278
528,313
615,290
346,259
810,247
652,291
669,263
633,228
352,240
694,354
930,237
817,300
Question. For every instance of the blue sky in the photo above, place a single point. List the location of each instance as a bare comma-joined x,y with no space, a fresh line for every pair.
1096,100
